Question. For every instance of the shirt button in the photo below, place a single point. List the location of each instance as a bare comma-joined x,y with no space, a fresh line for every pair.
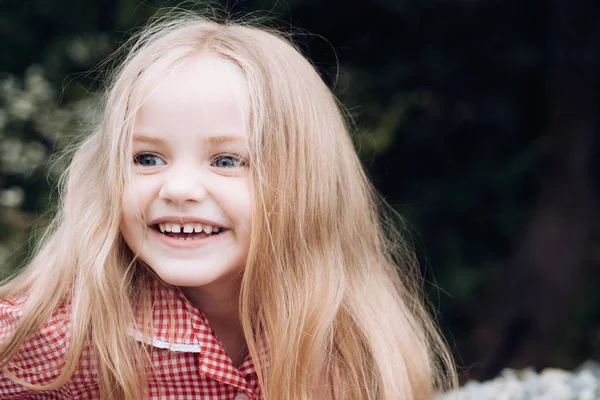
241,396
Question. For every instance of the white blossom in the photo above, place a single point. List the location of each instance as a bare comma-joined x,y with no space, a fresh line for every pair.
12,197
32,104
21,158
84,50
3,120
550,384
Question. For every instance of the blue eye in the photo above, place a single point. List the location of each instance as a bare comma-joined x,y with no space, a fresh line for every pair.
148,160
228,161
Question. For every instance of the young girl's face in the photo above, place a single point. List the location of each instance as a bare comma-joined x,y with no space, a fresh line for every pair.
191,176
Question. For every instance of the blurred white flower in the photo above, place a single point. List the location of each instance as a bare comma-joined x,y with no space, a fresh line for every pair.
12,197
21,107
3,120
83,50
51,123
23,101
20,158
37,86
32,103
78,51
8,87
550,384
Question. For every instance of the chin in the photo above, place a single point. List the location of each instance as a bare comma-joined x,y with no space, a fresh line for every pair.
193,276
184,280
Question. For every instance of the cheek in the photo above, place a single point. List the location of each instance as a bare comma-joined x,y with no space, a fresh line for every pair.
131,200
135,196
131,217
236,200
239,200
134,205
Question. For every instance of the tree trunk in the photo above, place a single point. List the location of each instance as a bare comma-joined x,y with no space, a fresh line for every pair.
531,299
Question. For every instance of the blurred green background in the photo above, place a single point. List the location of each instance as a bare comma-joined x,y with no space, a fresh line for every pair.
477,120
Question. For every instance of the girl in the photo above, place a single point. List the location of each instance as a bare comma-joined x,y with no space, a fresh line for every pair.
218,238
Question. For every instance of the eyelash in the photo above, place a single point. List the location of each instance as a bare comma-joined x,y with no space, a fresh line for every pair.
138,157
238,158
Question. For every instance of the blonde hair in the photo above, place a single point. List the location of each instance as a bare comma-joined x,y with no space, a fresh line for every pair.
329,284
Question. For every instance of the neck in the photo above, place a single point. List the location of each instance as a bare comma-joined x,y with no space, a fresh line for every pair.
220,304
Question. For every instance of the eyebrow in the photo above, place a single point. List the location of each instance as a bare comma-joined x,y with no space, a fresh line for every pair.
138,137
219,139
226,139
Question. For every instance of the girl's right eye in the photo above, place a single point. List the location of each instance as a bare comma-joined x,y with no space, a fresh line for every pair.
148,160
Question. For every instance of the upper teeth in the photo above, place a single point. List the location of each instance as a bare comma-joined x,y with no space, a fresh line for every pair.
176,227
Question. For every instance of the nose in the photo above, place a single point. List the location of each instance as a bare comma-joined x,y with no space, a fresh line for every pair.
181,187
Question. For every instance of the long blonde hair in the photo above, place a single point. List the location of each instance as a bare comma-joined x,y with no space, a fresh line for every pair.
329,284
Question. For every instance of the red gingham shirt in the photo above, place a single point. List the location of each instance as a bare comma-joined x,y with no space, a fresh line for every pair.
192,365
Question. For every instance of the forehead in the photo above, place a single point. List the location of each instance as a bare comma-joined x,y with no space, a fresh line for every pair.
205,92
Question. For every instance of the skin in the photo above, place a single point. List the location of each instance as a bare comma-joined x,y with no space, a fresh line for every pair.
189,156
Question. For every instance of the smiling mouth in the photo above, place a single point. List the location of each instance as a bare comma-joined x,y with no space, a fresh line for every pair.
188,235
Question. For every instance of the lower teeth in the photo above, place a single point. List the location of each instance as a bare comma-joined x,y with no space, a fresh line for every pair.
189,238
193,238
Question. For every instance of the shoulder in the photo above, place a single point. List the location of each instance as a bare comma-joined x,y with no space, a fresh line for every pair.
52,336
40,356
11,310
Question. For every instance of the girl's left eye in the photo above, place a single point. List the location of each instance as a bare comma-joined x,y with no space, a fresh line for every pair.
148,160
228,161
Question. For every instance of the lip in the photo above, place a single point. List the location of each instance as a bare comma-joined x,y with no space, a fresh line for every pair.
187,244
186,220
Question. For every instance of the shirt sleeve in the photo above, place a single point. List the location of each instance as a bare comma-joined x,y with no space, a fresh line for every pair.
39,359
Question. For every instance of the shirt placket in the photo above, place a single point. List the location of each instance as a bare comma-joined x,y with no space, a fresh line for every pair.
212,360
215,364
